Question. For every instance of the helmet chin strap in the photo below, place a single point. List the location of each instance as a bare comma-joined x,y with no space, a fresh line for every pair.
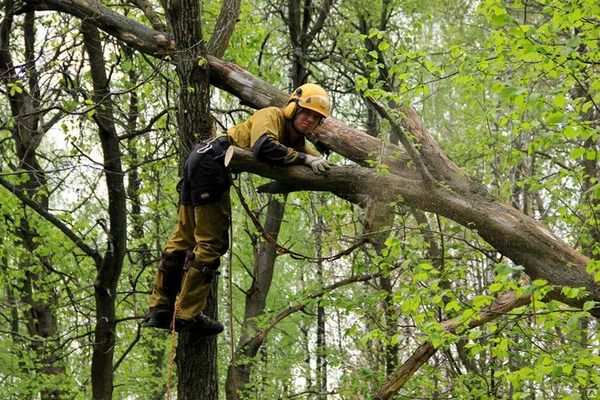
294,115
296,111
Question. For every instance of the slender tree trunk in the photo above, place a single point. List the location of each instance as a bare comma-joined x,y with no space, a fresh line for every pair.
137,221
377,221
109,269
238,376
589,200
321,340
24,105
239,372
296,21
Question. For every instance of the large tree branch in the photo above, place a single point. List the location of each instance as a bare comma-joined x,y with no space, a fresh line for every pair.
228,17
512,233
135,34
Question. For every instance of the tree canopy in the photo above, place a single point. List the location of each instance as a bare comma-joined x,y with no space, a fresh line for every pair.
450,252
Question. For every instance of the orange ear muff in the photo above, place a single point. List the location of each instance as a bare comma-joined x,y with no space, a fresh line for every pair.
290,109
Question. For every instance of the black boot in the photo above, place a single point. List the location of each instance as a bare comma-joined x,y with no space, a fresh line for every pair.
160,319
200,325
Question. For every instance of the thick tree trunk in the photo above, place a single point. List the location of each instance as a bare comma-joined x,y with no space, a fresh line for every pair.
304,20
196,355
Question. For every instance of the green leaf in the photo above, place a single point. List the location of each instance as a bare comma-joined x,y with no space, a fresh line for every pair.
570,132
556,117
436,339
15,88
453,306
559,100
383,46
577,153
574,42
540,282
499,20
567,369
475,334
495,287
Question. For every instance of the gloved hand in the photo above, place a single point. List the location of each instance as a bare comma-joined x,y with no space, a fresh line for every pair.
318,165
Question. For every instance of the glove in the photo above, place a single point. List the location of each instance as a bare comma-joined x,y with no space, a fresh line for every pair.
318,165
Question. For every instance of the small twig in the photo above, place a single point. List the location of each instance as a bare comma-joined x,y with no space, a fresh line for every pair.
406,142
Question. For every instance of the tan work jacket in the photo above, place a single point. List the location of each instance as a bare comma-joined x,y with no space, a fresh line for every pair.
279,132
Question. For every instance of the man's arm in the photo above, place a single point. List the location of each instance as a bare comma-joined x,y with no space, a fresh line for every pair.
267,149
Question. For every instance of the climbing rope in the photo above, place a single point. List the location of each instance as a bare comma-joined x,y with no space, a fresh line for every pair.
283,250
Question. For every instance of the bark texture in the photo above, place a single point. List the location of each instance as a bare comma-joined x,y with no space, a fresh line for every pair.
196,356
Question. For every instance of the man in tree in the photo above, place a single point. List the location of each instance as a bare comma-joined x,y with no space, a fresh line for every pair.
192,254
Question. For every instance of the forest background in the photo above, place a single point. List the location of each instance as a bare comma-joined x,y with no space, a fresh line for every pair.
447,284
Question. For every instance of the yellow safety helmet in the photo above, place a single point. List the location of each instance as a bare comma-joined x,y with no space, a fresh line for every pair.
309,96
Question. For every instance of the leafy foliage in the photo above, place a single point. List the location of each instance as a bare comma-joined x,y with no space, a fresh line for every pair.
510,90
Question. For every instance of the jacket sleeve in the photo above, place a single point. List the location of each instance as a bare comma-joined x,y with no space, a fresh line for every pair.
267,128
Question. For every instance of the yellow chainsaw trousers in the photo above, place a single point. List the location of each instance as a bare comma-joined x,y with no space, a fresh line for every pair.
204,230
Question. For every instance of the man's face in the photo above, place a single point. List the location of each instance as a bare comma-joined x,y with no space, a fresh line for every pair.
306,120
